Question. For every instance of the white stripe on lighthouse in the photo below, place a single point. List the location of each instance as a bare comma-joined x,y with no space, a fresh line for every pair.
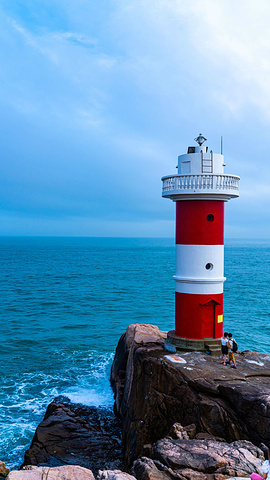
199,269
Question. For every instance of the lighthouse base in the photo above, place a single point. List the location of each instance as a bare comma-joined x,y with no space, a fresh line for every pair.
174,343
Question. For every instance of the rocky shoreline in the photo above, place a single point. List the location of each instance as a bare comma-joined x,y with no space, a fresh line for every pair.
191,420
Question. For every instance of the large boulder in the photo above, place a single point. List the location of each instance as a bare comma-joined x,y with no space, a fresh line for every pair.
199,460
153,391
208,456
66,472
75,435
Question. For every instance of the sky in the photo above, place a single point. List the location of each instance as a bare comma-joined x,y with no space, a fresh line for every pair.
99,97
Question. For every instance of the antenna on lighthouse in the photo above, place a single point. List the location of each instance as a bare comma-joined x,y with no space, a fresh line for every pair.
200,139
221,145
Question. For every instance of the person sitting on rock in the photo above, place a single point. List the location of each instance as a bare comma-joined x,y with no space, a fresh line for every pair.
224,347
231,354
265,470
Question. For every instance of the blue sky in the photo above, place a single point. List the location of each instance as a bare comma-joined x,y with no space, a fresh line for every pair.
98,98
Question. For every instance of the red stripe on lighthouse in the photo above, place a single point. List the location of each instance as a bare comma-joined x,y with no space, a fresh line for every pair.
198,316
200,222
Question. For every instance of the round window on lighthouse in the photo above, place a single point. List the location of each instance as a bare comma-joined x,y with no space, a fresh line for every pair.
210,217
209,266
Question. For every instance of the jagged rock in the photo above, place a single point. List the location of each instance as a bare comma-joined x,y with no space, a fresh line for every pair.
199,460
75,435
114,475
3,469
146,469
66,472
152,393
178,431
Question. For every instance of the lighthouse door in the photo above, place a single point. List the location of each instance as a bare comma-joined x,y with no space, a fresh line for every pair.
208,321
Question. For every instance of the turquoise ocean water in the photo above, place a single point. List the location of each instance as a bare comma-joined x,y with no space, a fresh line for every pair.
66,301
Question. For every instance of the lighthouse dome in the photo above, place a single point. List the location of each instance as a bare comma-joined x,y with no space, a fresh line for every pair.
200,175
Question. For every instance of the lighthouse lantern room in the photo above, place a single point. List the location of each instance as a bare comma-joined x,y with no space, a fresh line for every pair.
200,189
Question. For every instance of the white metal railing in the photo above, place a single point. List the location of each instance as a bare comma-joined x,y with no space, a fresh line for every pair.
198,183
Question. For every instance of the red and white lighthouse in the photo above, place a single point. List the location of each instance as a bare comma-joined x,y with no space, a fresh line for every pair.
200,190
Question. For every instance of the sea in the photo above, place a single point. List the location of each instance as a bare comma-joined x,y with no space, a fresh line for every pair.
65,302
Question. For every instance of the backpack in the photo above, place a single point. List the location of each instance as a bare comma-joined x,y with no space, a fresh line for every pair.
234,346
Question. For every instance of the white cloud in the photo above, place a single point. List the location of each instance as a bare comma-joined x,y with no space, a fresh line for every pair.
224,45
215,53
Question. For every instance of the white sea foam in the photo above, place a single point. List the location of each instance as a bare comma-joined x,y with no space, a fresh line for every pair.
89,397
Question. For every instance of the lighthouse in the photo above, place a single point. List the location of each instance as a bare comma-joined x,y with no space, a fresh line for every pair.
200,189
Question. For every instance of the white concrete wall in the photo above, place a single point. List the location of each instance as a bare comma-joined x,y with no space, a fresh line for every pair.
191,163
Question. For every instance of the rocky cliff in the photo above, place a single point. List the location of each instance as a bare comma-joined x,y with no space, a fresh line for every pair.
152,392
184,417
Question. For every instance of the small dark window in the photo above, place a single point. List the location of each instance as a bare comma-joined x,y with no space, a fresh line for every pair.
209,266
210,217
191,150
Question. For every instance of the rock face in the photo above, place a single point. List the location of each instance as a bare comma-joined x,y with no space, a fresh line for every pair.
152,393
76,435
